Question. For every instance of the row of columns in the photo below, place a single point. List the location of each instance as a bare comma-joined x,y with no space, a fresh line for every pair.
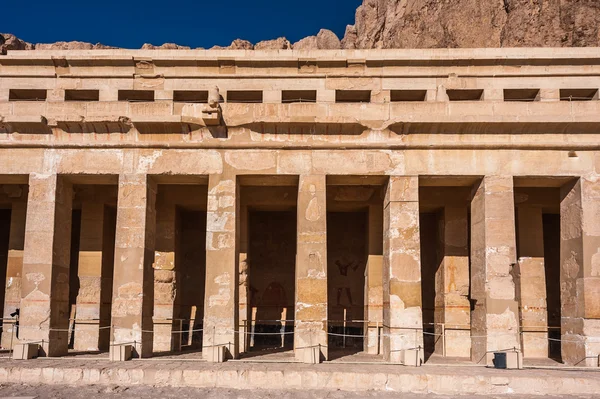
494,316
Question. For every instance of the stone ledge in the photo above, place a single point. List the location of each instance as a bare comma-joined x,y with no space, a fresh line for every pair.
438,380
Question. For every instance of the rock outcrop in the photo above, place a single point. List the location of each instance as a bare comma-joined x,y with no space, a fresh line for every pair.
11,42
71,46
237,44
425,24
276,44
474,23
324,40
166,46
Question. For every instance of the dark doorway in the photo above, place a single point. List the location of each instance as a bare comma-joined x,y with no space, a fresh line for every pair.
347,239
272,263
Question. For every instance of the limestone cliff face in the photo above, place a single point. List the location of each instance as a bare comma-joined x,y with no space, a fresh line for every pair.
474,23
427,24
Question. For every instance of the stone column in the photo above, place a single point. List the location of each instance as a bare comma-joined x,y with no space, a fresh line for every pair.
531,280
580,272
133,290
311,269
46,258
14,271
453,308
494,319
374,282
402,312
221,310
165,280
91,259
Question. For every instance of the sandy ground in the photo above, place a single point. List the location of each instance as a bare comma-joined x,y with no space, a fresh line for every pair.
148,392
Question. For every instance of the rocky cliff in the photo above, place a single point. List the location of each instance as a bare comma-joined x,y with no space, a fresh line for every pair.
427,24
474,23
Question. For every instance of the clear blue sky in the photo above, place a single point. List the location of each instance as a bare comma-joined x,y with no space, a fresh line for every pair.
199,23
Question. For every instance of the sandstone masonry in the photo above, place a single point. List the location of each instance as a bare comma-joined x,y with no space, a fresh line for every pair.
404,203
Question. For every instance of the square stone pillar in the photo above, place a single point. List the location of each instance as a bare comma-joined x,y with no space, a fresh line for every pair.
531,279
374,282
495,314
310,330
166,280
221,310
45,285
133,289
580,272
92,263
453,309
14,272
402,312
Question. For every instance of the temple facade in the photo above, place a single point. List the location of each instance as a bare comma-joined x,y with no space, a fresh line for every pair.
400,203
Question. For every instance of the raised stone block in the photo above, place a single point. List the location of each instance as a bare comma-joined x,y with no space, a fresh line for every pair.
215,354
121,353
412,357
25,351
311,355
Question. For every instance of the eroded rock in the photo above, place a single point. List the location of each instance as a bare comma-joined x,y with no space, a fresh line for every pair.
276,44
165,46
473,23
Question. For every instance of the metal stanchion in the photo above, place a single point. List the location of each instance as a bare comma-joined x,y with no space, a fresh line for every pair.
443,339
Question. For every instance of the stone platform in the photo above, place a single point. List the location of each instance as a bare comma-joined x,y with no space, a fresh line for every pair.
435,379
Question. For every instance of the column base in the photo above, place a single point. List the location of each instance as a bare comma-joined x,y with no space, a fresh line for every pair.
215,354
310,355
121,353
412,357
25,351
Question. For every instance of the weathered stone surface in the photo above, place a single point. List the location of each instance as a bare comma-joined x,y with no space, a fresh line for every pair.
472,23
276,44
45,286
327,40
221,310
452,306
311,268
11,42
308,43
165,46
495,318
402,312
426,24
133,291
531,282
237,44
324,40
74,45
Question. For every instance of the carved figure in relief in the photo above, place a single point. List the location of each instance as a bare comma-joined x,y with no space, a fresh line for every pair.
343,266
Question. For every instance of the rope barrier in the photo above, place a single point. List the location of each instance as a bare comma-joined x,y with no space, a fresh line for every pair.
407,331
